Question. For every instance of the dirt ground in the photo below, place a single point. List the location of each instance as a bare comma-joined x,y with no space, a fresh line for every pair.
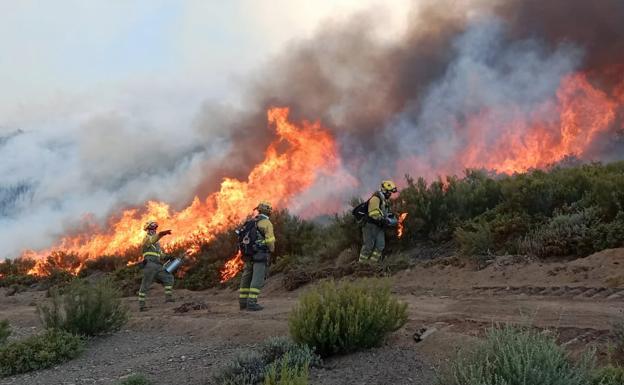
579,300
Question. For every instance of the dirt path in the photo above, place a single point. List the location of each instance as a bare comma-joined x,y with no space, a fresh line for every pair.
172,348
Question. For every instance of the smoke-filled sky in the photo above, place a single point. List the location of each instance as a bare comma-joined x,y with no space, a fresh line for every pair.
106,104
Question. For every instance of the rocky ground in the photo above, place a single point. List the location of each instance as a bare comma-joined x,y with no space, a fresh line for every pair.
172,344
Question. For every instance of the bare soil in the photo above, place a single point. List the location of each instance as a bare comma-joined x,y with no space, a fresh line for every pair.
178,343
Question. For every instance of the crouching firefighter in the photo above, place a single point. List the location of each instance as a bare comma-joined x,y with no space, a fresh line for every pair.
256,243
153,258
377,216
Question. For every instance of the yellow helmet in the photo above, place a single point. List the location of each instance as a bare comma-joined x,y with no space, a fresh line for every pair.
388,186
264,207
150,225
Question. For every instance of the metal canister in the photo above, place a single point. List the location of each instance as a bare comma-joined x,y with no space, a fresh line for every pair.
173,264
391,220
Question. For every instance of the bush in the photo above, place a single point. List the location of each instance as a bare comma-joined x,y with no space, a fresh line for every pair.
278,359
247,368
343,317
38,352
609,375
5,331
85,309
285,372
516,356
136,379
566,234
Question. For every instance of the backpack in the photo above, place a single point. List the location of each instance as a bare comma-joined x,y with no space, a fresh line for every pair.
360,212
248,237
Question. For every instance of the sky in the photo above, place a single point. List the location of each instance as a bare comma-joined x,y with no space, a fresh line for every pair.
60,52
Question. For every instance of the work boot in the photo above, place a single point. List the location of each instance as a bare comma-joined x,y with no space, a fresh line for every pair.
142,306
242,304
254,306
169,298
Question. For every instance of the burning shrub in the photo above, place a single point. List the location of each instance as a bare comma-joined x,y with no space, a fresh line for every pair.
278,360
516,356
343,317
85,309
38,352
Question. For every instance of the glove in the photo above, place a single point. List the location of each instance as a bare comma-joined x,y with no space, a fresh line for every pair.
164,232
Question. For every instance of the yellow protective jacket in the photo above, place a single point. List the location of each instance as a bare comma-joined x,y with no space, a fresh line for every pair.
265,227
377,206
151,248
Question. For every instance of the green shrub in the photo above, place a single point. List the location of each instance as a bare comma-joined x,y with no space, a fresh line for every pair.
476,240
5,331
85,309
269,359
566,234
516,356
275,348
247,368
136,379
608,375
285,372
343,317
38,352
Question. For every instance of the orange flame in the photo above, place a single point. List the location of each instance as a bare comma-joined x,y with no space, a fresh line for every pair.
581,113
400,226
291,165
232,267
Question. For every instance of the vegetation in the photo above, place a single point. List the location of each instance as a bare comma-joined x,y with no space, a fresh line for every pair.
85,309
283,372
517,356
609,375
38,352
5,331
560,212
344,317
136,379
278,360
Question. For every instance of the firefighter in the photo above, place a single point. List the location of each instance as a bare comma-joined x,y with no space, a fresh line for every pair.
373,230
153,258
260,230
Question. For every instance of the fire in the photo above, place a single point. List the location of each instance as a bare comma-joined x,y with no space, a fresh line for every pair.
292,163
232,267
583,112
510,139
400,226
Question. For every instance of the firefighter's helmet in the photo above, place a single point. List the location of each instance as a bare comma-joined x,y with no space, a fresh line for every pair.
150,225
388,186
264,207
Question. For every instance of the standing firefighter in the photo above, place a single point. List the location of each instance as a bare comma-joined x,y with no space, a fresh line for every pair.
377,217
256,243
153,264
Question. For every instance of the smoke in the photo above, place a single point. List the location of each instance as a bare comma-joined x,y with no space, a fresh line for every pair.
465,75
461,81
69,174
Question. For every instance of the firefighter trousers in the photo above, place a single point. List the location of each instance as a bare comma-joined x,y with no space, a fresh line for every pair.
155,271
373,242
252,281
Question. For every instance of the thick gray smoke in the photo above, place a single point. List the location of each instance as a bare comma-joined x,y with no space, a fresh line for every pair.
71,174
395,107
